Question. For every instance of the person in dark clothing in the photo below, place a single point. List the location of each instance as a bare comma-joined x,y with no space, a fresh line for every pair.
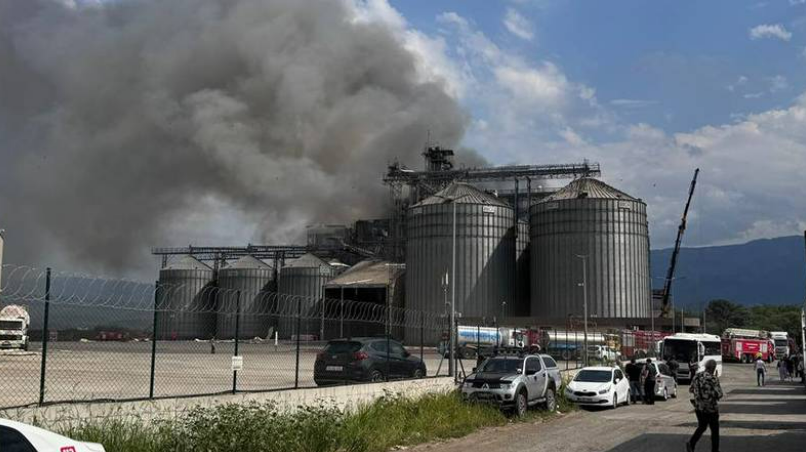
633,371
673,366
706,391
693,366
649,375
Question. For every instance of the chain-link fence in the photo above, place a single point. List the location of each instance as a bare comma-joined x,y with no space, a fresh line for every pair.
91,339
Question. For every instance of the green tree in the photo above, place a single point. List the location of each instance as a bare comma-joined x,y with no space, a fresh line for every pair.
775,318
722,314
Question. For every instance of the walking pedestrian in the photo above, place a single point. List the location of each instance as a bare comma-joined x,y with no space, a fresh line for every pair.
633,371
790,368
706,392
693,367
649,375
761,370
781,369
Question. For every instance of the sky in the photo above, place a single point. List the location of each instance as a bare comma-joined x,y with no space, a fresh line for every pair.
132,124
651,90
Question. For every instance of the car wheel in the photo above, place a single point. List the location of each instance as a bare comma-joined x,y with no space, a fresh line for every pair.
521,404
551,399
615,401
418,373
376,376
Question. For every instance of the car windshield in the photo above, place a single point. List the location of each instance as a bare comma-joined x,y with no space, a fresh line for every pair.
502,366
780,342
593,376
10,324
339,347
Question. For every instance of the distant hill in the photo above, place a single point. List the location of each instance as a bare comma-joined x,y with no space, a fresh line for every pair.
767,271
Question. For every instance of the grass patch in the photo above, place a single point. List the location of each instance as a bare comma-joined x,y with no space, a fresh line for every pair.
377,427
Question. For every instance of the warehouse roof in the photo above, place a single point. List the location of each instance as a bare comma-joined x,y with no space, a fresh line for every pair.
462,193
368,273
587,187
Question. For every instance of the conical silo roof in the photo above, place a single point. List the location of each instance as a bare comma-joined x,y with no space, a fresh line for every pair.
462,193
187,263
586,187
249,262
307,261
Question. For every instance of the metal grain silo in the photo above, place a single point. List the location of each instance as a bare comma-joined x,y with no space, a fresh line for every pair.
589,218
252,278
186,301
485,253
302,280
523,277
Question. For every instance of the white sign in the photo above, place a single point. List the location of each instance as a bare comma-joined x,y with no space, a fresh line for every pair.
624,205
488,209
237,363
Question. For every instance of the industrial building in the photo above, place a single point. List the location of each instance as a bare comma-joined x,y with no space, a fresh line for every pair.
507,240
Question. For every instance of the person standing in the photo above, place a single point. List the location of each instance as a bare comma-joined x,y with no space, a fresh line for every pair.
781,369
706,392
649,375
633,371
761,370
790,367
693,367
673,366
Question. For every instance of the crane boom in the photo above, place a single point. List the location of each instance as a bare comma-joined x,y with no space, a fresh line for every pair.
667,286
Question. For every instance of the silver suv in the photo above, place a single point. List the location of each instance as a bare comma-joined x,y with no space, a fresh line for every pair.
515,382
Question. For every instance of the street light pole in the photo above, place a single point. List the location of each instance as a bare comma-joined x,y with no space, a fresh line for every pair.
584,285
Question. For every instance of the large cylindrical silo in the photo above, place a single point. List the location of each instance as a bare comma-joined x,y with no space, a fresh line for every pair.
485,253
186,301
250,279
608,228
302,281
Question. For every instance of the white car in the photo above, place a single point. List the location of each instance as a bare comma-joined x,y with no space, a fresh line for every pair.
19,437
601,386
665,384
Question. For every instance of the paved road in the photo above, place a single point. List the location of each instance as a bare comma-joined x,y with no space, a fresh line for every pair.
772,418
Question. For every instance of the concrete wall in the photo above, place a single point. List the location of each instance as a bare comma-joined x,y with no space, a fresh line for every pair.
344,397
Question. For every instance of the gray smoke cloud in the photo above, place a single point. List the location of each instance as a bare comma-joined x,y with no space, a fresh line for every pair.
119,120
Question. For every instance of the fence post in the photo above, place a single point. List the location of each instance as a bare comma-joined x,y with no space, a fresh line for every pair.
422,333
154,342
478,341
237,334
45,334
299,333
387,357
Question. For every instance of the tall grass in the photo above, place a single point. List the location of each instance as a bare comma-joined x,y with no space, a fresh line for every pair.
376,427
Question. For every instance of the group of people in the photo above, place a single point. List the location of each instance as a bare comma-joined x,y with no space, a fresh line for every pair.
642,381
789,368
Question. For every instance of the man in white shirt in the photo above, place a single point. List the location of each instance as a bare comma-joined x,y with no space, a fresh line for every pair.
761,370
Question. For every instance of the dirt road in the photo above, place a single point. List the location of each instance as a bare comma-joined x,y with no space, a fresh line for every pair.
772,418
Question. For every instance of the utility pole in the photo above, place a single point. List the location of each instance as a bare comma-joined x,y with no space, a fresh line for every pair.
453,294
584,285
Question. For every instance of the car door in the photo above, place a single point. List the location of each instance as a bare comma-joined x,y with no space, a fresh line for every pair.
535,377
621,384
401,367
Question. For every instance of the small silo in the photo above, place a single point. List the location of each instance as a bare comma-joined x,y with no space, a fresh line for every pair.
302,280
485,253
253,279
589,218
186,301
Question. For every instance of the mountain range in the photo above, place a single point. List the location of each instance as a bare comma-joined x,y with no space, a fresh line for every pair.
766,271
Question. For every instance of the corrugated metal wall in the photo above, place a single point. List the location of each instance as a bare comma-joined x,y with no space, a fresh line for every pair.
187,304
485,258
614,233
308,283
252,283
523,278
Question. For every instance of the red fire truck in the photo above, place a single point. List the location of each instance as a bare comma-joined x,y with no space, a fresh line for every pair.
741,345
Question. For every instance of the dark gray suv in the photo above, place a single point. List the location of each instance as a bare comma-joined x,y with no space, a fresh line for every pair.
362,359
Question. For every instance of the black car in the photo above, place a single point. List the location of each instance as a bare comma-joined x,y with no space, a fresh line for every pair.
365,359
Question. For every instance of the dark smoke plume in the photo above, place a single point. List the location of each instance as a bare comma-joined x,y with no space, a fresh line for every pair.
119,121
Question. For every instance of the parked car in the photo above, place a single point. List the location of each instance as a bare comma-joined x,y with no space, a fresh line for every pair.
19,437
602,353
599,386
665,383
514,382
365,359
